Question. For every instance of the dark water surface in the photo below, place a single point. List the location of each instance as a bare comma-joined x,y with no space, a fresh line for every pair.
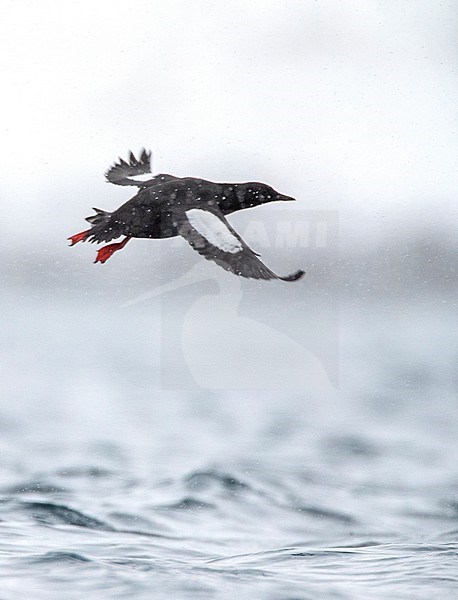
112,488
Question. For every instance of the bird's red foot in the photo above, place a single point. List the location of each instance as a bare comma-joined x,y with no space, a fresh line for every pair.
78,237
104,253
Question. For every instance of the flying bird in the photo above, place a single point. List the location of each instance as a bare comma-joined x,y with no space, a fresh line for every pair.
166,206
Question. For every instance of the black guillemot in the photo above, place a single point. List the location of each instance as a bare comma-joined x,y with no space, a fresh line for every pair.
166,206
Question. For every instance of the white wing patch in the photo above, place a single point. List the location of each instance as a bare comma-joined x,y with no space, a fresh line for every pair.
213,230
141,178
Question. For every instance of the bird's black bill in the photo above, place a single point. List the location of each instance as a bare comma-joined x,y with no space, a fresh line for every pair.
284,198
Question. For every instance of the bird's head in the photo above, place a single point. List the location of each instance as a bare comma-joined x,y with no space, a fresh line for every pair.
254,193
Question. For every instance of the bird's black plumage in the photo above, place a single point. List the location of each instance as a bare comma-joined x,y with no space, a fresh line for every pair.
166,206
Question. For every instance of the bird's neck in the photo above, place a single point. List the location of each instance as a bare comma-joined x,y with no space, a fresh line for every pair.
236,197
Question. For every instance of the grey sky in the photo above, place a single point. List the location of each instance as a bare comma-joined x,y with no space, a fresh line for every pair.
343,104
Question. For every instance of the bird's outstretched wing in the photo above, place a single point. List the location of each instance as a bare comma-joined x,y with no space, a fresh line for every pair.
133,172
136,172
208,232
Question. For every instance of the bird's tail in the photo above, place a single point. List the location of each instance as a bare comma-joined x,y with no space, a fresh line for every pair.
100,217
